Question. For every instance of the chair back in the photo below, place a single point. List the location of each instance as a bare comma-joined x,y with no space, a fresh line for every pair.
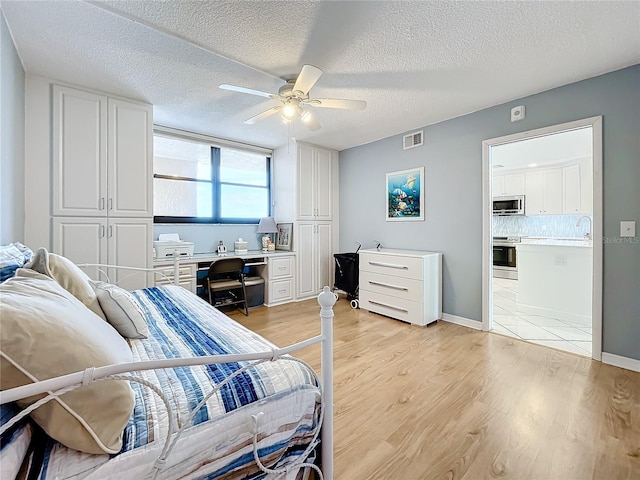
226,266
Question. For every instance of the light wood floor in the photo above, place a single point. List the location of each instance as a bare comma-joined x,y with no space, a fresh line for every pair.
448,402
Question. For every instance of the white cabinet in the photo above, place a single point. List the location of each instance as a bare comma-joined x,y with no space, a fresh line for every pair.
315,257
571,189
123,241
314,183
544,192
102,155
402,284
508,184
187,276
280,279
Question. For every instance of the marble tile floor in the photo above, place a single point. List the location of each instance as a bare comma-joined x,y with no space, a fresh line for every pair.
574,337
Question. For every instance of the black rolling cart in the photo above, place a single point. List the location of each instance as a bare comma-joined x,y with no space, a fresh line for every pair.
347,275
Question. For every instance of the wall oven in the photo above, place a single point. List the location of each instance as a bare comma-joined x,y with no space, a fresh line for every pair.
511,205
505,264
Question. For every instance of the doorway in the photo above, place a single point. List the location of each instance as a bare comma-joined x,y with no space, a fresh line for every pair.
552,287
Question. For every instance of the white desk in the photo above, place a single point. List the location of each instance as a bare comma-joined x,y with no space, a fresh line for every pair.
277,268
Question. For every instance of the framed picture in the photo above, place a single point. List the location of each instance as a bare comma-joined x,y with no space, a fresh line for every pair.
283,237
405,195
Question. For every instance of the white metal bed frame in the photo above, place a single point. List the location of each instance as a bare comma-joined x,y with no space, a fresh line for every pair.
58,386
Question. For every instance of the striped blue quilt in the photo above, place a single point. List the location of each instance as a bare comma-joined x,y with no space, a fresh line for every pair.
218,442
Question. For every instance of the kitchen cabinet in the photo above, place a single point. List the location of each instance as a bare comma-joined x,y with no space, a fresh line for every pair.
571,200
508,184
402,284
102,155
122,241
314,183
315,257
544,192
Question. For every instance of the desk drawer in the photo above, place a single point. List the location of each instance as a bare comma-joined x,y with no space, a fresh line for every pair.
399,287
396,265
280,267
280,291
393,307
165,274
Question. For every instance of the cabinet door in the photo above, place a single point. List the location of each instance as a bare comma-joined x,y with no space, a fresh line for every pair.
306,183
306,258
79,153
324,257
534,193
130,243
323,184
497,186
513,184
82,240
130,167
571,191
553,191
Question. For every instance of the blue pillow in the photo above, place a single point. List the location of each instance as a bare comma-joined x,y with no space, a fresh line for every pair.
12,257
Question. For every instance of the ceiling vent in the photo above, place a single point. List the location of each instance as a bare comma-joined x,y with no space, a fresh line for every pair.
415,139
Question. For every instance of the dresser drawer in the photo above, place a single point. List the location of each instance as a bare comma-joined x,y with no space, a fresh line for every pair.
280,267
393,307
397,265
399,287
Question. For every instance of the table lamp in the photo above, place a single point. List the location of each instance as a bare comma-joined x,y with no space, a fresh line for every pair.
266,226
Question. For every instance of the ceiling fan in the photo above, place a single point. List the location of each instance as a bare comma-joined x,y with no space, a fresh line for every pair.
294,98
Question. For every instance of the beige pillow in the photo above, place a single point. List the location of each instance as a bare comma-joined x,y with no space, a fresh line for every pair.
46,332
121,310
68,275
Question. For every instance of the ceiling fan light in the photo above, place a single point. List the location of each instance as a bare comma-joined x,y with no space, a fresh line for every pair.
289,110
286,120
305,115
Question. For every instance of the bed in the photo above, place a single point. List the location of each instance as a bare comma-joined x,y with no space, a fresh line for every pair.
209,398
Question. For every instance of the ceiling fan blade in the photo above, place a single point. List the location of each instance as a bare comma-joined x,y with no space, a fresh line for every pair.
312,123
308,77
262,115
337,103
250,91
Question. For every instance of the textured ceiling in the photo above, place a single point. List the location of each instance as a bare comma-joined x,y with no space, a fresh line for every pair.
415,63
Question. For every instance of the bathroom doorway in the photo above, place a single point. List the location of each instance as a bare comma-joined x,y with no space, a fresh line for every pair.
542,264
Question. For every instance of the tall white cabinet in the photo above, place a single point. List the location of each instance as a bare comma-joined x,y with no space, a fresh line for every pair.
306,193
102,199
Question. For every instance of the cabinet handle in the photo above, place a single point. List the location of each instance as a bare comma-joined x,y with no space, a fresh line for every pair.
110,203
101,204
389,306
110,231
101,231
395,287
389,265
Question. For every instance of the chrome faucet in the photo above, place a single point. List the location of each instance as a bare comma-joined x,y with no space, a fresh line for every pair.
588,234
379,245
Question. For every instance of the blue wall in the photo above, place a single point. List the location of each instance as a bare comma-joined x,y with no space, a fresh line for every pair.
452,157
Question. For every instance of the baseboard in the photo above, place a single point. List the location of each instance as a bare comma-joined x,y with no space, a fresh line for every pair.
622,362
462,321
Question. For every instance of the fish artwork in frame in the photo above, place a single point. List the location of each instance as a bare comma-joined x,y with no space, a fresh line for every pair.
405,195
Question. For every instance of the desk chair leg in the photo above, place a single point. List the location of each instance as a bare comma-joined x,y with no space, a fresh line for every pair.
244,296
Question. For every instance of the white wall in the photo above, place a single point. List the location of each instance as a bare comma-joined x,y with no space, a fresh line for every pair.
11,140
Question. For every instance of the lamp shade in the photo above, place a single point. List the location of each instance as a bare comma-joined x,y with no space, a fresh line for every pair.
267,225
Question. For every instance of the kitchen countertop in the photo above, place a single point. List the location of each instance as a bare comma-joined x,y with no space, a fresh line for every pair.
557,242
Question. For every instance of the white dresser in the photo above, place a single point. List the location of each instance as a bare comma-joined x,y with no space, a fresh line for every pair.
402,284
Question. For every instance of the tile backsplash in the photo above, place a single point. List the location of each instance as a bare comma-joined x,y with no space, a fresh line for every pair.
544,226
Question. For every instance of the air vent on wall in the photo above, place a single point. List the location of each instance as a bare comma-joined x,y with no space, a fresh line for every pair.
412,140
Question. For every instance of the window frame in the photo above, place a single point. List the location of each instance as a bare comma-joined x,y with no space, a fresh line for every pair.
216,190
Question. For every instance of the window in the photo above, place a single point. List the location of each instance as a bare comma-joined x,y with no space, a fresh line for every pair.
198,182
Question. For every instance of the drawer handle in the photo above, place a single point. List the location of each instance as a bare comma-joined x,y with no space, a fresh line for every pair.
389,265
282,291
389,306
395,287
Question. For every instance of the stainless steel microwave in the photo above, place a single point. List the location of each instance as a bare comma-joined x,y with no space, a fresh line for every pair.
511,205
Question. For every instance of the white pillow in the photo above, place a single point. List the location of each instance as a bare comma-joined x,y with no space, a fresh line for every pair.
68,275
122,310
46,332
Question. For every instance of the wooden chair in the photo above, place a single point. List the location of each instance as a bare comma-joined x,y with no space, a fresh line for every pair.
225,283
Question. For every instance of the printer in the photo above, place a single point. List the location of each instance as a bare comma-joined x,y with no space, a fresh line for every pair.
169,243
